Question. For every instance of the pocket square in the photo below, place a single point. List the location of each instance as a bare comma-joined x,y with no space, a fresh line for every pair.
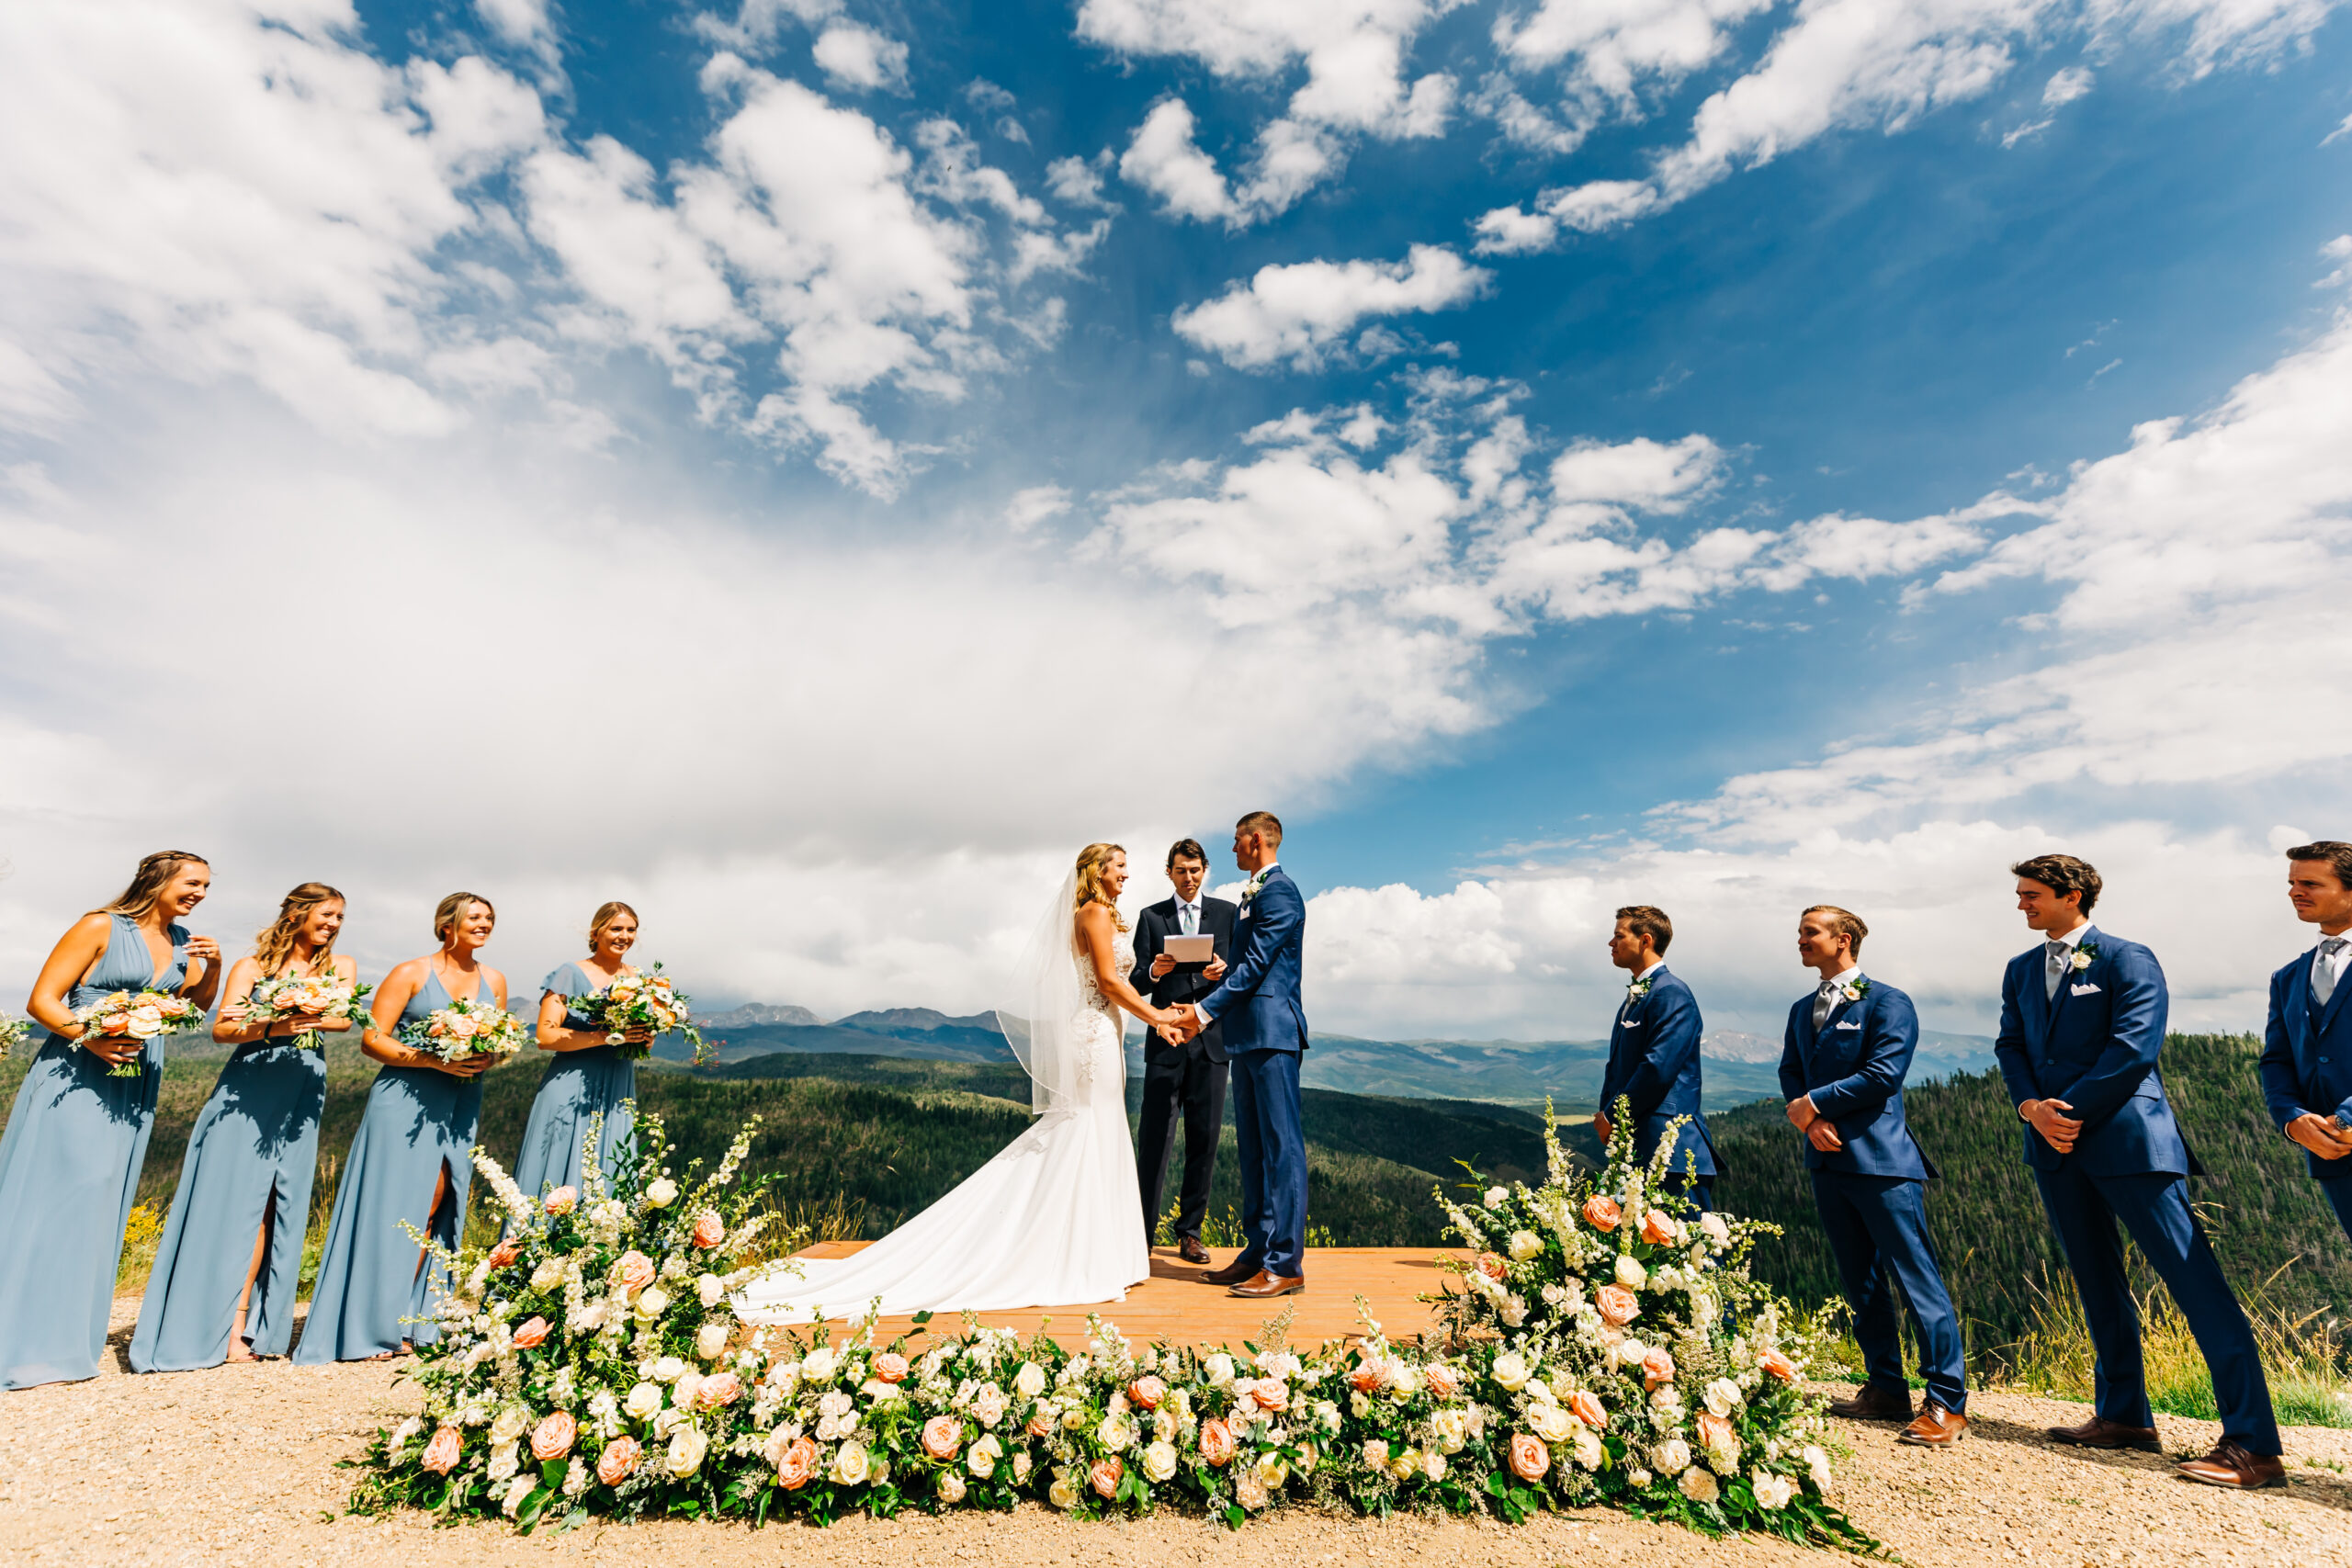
1629,1024
2082,990
1851,1023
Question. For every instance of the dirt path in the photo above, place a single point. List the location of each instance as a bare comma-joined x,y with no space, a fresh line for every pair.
237,1465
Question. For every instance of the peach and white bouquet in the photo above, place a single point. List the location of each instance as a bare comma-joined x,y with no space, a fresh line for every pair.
1609,1349
464,1029
137,1015
13,1033
328,996
640,999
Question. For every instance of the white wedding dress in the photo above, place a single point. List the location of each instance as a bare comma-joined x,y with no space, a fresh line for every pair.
1055,1219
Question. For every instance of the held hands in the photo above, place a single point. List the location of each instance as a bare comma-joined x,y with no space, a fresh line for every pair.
2045,1117
1183,1022
2321,1134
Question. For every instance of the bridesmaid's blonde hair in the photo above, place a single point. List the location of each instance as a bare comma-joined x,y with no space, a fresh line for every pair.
450,910
274,945
1090,862
147,884
604,916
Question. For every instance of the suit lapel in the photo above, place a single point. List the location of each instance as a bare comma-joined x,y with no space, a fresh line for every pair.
2038,1011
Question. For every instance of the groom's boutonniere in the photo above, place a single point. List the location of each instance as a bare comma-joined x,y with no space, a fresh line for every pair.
2083,956
1636,989
1855,989
1250,889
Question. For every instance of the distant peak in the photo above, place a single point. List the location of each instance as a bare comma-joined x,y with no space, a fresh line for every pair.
751,1013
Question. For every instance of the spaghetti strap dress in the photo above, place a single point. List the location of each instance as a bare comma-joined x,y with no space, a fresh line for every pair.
419,1121
579,1084
251,1156
69,1172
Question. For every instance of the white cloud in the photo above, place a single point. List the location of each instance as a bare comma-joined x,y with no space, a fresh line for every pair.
854,55
1352,53
1300,314
1032,507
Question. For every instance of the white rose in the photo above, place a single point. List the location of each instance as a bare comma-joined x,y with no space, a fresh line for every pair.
1673,1456
1406,1379
682,1393
1510,1371
1063,1493
1630,1272
644,1402
547,1275
1773,1492
1160,1462
1434,1465
651,1302
1722,1397
687,1446
1022,1464
1589,1451
1116,1431
710,1290
1525,1245
512,1423
1628,1352
1375,1454
518,1489
1818,1464
1030,1380
818,1365
588,1318
503,1461
406,1430
1406,1462
1712,1226
711,1340
1219,1369
1496,1195
1449,1430
1326,1415
1513,1311
951,1487
1359,1406
1273,1471
1552,1423
987,1405
662,1193
668,1368
981,1457
1637,1477
851,1464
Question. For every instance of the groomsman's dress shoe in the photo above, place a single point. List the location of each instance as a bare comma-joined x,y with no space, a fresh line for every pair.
1232,1273
2098,1432
1874,1402
1937,1427
1190,1249
1264,1286
2230,1466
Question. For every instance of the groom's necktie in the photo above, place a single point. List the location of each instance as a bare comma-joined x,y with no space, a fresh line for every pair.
2062,958
1824,1002
2323,972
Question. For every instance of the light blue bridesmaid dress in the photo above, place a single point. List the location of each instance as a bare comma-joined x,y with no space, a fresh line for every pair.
578,1085
258,1138
69,1169
419,1121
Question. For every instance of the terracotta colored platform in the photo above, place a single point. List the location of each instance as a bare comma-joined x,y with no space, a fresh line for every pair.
1174,1305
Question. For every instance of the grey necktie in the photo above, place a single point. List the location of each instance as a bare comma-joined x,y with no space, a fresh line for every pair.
2062,958
1824,1002
1190,914
2323,972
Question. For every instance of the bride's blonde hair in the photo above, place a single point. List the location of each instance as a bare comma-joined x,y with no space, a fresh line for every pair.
1090,862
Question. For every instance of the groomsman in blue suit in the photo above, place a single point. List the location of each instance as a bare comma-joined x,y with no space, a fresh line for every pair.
2307,1049
1654,1055
1265,1032
1843,1060
2081,1024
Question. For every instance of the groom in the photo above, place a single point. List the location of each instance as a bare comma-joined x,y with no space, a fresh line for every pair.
1265,1031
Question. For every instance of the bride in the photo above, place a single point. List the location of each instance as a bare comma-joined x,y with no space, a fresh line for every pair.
1055,1218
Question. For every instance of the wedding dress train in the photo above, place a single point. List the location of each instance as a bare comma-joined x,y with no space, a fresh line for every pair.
1053,1219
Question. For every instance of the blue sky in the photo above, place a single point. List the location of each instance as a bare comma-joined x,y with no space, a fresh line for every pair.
827,460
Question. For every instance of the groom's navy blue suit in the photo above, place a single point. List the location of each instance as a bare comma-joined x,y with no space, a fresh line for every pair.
1654,1066
1871,1191
2094,1045
2307,1068
1265,1030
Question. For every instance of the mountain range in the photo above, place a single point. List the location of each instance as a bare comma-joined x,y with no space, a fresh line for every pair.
1740,1067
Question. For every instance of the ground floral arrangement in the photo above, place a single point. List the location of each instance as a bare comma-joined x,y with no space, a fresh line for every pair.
1606,1346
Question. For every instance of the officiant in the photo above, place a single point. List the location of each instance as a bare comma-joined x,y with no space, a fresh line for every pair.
1187,1077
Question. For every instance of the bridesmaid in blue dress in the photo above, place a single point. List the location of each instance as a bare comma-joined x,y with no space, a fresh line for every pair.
77,1136
589,1075
411,1159
250,1160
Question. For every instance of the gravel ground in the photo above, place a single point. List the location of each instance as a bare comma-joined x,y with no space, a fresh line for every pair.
237,1465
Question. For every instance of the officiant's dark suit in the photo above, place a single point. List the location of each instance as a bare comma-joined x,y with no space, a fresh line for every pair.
1188,1078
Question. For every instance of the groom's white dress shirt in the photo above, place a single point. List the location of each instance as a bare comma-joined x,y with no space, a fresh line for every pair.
1260,876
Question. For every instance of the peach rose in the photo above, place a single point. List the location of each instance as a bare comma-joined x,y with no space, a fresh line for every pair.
636,1271
1041,1423
1780,1366
1216,1441
1602,1213
1618,1306
460,1027
619,1461
113,1023
1490,1265
506,1253
1657,1228
709,1229
1104,1477
1586,1406
530,1332
1657,1367
1529,1458
798,1465
719,1388
441,1453
1146,1392
1268,1393
551,1439
1364,1378
1714,1430
942,1436
562,1201
890,1367
1443,1381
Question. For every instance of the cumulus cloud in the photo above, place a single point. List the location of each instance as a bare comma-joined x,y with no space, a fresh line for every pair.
1297,314
855,56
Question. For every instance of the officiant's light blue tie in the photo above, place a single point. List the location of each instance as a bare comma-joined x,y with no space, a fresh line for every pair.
1190,914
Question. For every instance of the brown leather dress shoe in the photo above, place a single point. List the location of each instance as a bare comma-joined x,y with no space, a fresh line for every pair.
1874,1402
2098,1432
1232,1273
1264,1286
1937,1427
2230,1466
1190,1249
